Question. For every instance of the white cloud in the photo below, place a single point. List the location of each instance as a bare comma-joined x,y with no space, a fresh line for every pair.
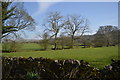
43,6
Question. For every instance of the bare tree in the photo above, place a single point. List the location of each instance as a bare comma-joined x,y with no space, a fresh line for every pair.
54,25
76,25
15,18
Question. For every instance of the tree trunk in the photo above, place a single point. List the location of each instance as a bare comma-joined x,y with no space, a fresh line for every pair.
72,41
62,43
55,44
108,43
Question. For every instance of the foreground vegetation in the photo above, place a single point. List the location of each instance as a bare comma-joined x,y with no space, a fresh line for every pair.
98,57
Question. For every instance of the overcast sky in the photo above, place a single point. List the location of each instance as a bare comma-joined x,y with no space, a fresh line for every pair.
98,13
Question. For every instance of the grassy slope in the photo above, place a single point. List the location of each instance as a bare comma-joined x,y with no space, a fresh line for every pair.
98,57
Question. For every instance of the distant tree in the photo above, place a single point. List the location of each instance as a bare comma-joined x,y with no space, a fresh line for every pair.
86,40
62,40
76,25
109,34
15,18
9,44
45,40
54,25
98,40
115,36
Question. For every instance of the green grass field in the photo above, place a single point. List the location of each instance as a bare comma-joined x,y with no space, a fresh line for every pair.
97,57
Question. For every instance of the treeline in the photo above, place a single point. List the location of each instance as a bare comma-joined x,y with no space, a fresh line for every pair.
105,36
60,31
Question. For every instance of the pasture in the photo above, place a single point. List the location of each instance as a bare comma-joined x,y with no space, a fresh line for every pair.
97,57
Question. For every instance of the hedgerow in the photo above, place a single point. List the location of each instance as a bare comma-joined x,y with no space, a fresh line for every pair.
48,69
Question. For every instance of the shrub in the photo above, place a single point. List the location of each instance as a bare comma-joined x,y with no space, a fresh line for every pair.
10,46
